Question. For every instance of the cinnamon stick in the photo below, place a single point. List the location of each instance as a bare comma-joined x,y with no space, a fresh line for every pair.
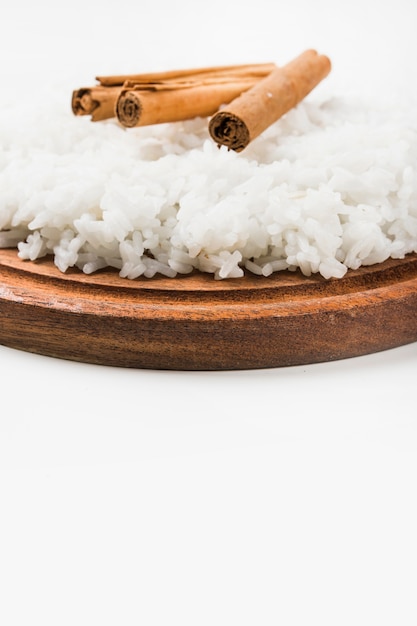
246,117
183,83
98,101
142,107
256,69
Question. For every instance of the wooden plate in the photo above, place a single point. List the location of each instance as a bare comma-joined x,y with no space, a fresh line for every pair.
197,323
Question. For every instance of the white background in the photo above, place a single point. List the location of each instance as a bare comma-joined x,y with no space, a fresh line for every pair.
283,496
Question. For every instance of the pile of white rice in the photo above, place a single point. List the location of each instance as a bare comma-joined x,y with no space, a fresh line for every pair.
331,186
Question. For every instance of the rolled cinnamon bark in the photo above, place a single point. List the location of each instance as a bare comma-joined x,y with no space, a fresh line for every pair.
99,102
244,119
184,83
143,107
256,70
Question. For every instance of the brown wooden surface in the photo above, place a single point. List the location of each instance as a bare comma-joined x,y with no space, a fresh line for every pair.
197,323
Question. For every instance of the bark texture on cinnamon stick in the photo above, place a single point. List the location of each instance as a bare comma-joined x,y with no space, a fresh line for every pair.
252,69
143,107
246,117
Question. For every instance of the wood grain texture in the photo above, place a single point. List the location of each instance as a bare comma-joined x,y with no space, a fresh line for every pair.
197,323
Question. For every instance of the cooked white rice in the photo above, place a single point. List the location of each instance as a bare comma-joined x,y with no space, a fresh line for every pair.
331,186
